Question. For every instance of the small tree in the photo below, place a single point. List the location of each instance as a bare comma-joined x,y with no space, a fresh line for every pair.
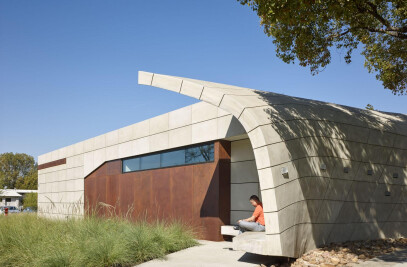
369,107
30,200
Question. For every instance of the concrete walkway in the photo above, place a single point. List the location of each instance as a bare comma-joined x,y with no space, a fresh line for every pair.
210,253
220,254
395,259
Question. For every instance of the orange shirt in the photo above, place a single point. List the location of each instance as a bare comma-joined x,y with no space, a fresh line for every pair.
259,215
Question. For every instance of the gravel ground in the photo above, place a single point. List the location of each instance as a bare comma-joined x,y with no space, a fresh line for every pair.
345,254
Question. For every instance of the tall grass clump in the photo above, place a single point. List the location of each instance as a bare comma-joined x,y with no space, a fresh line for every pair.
28,240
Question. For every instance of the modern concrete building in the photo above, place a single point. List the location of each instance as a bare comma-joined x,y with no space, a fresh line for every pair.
325,172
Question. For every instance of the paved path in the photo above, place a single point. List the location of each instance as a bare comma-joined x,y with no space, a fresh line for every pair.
395,259
220,254
209,254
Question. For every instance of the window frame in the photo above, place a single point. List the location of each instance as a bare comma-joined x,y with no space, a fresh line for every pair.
165,151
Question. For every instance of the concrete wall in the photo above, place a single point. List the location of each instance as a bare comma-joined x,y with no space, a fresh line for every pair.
61,188
244,179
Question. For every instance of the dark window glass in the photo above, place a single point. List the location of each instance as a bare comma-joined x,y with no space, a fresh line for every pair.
203,153
182,156
131,165
150,162
8,199
173,158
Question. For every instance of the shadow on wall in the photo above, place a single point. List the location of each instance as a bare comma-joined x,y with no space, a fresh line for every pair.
341,163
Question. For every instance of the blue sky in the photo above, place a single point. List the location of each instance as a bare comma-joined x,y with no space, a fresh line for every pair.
68,69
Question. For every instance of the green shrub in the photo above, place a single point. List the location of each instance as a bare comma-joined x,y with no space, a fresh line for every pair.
30,200
28,240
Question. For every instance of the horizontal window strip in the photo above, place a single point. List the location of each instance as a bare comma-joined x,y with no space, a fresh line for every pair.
189,155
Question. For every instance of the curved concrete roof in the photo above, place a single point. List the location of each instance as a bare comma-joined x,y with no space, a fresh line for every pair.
284,130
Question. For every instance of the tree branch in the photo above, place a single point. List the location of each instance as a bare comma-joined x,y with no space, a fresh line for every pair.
396,34
376,14
336,35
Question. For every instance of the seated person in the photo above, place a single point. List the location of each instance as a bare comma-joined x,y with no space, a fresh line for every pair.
256,222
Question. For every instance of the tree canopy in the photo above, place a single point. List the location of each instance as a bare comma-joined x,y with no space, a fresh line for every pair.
306,30
18,171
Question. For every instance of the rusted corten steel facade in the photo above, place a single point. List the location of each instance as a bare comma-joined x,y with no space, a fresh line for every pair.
197,194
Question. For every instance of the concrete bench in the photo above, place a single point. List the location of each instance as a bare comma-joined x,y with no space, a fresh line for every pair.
228,230
253,242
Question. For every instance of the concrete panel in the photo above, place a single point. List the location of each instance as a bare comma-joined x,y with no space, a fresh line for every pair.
204,131
386,193
99,142
222,113
395,229
126,149
312,187
369,172
351,212
349,150
398,157
229,126
400,141
329,211
341,232
353,133
235,104
272,177
180,117
269,199
365,231
265,135
99,157
203,111
112,152
294,191
159,124
297,213
180,137
158,141
145,78
316,166
191,89
345,169
377,212
362,191
55,155
377,154
398,213
338,189
79,148
142,146
253,117
141,129
112,138
394,175
88,163
240,194
125,134
212,95
74,161
244,172
167,82
381,138
241,151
